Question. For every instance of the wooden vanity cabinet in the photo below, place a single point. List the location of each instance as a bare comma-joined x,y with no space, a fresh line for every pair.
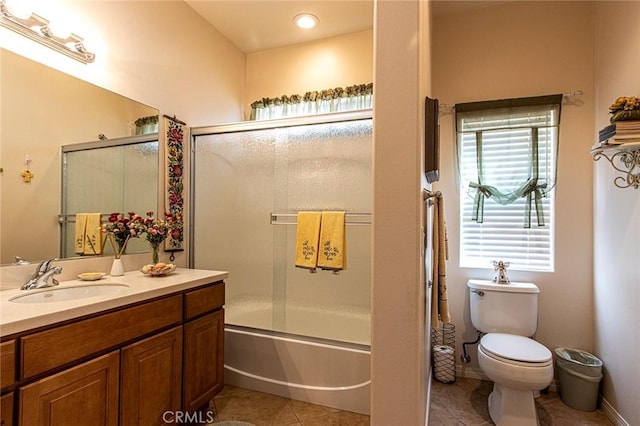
127,366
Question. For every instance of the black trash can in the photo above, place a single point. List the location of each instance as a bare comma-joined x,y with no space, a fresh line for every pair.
579,376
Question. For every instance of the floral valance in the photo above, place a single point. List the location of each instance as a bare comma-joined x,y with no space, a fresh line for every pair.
354,97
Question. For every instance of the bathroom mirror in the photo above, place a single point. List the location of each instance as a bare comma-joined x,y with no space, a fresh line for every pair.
42,110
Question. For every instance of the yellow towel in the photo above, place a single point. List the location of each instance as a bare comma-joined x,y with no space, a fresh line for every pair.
78,239
333,249
307,236
93,235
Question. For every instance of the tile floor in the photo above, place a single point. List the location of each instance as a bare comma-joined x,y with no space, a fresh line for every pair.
262,409
463,403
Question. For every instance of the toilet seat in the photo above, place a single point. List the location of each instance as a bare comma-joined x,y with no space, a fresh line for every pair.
517,350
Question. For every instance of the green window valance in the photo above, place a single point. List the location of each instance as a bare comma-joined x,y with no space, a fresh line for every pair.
509,151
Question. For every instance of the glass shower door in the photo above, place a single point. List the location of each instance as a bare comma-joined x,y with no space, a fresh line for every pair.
248,187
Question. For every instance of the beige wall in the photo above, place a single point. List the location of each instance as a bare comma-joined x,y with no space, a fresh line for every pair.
399,378
516,50
160,53
617,216
334,62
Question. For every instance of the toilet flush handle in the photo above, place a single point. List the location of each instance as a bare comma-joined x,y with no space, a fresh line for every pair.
478,292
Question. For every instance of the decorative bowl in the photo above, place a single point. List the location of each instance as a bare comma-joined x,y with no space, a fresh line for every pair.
159,269
91,276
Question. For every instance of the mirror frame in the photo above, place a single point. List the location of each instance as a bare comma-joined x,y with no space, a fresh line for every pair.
86,146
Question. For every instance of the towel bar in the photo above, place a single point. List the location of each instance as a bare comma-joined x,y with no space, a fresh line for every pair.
426,194
71,218
350,218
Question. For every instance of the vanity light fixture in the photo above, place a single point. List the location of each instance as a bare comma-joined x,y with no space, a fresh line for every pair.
306,20
39,29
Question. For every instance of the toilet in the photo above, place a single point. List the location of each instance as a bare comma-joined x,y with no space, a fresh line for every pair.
517,364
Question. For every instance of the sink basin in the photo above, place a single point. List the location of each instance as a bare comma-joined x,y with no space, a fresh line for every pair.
61,294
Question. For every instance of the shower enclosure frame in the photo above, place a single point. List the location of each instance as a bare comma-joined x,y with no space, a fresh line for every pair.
302,354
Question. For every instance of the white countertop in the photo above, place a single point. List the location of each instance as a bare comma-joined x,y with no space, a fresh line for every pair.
18,317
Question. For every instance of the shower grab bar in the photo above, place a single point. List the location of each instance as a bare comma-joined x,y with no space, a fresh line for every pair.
350,218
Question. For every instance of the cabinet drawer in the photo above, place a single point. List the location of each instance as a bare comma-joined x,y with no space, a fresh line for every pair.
206,299
8,361
48,349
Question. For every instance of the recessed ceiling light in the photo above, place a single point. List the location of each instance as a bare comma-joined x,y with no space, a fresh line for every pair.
306,20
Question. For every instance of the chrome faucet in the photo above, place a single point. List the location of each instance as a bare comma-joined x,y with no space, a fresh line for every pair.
41,276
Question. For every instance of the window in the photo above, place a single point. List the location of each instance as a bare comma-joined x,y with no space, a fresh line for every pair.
507,152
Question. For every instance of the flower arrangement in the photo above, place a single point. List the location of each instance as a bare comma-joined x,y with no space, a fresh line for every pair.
157,229
625,108
120,228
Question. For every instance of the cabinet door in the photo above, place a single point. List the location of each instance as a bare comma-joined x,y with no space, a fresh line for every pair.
151,379
6,409
7,363
83,395
203,360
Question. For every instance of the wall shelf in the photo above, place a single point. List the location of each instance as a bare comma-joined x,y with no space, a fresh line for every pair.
625,158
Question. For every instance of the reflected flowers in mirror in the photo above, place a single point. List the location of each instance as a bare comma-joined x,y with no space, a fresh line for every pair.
120,228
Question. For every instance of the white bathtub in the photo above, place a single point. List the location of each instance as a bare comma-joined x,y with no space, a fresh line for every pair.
296,366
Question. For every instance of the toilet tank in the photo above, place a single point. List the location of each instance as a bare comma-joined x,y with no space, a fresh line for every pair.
504,308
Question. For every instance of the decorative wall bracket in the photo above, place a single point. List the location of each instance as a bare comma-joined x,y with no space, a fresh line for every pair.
626,160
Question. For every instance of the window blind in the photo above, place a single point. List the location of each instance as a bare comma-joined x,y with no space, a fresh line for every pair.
507,137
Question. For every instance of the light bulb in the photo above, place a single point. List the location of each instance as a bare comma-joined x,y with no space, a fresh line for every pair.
59,29
72,45
19,9
306,20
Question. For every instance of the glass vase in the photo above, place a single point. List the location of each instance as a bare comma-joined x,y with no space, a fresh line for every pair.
121,245
154,252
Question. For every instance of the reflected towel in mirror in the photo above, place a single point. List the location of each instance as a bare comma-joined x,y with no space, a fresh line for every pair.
80,229
93,234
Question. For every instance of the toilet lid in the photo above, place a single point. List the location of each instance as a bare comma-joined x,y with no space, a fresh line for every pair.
517,348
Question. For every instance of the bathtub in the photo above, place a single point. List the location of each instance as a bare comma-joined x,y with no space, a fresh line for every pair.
297,364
